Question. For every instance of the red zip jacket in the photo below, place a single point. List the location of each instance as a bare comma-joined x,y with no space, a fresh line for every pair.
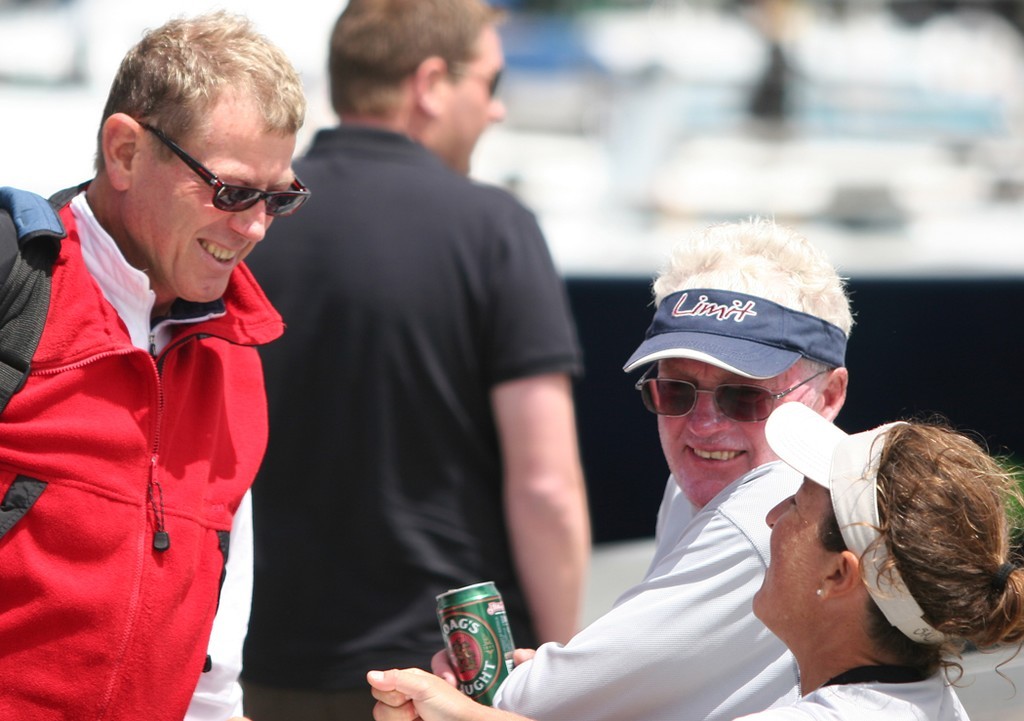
102,448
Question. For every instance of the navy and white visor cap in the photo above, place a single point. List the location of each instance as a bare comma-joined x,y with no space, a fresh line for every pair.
743,334
847,466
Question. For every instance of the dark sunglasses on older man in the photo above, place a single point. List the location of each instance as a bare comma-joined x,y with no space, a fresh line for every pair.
236,198
736,401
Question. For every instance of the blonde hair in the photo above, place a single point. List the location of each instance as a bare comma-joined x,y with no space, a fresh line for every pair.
177,72
761,258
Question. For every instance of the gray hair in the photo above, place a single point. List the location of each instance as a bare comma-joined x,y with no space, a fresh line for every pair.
761,258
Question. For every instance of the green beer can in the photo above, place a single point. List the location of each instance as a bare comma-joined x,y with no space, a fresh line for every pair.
478,638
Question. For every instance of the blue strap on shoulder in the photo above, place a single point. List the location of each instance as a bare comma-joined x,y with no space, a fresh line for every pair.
31,213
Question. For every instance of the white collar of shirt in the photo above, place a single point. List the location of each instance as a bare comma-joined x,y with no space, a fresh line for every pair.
124,286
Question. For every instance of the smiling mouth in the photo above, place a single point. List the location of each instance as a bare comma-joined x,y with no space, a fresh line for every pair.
715,455
222,254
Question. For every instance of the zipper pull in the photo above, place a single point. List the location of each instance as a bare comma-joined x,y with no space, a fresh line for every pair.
161,538
161,541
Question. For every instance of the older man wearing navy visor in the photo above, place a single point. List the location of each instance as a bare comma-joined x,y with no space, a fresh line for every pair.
749,316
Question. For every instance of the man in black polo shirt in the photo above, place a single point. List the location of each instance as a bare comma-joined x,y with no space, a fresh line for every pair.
422,425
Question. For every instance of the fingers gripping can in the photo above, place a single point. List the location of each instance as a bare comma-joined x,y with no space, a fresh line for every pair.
478,638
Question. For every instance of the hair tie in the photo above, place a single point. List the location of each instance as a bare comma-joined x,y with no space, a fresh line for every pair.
999,581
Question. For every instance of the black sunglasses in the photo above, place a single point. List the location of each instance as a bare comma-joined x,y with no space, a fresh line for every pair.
736,401
492,87
492,82
236,198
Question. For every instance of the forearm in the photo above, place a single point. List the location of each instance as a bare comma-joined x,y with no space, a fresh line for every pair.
550,537
545,499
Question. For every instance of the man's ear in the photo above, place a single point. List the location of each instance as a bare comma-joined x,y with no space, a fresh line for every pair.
431,86
833,395
119,143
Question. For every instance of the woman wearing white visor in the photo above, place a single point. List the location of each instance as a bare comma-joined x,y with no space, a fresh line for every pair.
893,555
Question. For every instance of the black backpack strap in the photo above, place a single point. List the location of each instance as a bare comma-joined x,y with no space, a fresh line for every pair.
8,243
30,235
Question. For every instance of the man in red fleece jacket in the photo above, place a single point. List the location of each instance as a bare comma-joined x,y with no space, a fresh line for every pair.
126,458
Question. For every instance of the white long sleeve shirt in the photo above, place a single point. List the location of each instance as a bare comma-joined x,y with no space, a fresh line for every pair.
928,700
684,642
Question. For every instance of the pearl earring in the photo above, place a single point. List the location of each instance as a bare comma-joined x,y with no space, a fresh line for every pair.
818,592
